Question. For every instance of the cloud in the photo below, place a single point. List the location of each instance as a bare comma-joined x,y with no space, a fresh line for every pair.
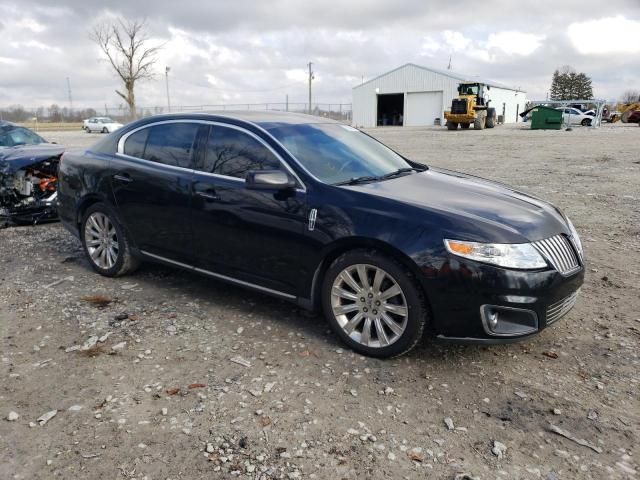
605,36
515,43
251,51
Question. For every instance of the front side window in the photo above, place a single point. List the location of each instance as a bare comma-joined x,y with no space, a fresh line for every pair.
233,153
336,153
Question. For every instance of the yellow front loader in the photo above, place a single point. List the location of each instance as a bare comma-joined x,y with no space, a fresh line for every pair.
471,107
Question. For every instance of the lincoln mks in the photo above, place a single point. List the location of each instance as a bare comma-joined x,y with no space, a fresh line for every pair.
321,214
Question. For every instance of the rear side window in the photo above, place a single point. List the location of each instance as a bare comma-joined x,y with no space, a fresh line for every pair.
233,153
134,145
171,144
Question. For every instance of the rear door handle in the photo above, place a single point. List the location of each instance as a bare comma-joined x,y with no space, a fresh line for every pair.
208,196
123,178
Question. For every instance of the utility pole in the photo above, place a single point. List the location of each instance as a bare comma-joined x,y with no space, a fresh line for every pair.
311,77
70,99
287,103
166,77
449,66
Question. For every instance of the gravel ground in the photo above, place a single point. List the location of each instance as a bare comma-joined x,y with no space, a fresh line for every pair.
186,377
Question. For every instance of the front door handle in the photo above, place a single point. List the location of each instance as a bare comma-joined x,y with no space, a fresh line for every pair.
123,178
208,196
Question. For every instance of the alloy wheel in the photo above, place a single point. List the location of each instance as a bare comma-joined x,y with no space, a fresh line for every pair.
369,305
101,240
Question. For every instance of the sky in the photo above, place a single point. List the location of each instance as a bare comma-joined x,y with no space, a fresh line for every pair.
242,51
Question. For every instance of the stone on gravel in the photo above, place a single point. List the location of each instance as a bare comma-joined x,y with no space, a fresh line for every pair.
449,423
44,418
499,449
13,416
90,343
119,346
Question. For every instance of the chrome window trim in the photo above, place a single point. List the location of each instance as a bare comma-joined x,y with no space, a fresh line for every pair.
123,139
220,276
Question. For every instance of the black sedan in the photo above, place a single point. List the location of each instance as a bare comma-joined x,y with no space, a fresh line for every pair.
321,214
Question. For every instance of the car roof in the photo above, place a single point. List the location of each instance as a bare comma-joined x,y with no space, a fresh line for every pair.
262,118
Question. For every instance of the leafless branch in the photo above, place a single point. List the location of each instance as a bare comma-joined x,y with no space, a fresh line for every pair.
125,44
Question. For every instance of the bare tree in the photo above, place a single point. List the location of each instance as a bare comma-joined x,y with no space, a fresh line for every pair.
631,96
126,46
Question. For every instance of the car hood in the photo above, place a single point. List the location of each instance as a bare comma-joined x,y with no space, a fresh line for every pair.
13,159
485,204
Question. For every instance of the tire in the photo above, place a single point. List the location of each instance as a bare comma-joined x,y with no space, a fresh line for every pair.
372,324
88,130
104,130
464,126
625,116
491,117
98,219
586,122
452,125
478,123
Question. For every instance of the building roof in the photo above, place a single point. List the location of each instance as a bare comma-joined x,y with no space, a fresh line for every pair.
447,73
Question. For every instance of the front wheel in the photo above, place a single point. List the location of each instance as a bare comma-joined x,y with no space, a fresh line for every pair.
105,242
374,304
452,125
586,122
104,130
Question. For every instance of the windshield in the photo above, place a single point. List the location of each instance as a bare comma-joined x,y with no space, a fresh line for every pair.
337,153
11,136
468,89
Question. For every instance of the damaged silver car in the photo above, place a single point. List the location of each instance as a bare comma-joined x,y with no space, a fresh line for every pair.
28,176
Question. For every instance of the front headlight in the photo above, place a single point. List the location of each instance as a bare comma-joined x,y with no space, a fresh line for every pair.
576,238
507,255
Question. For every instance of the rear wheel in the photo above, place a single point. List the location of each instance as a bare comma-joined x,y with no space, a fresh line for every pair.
625,116
452,125
374,304
104,130
479,122
586,122
491,117
105,242
464,125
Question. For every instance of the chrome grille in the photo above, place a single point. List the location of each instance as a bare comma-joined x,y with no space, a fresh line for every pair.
561,308
559,251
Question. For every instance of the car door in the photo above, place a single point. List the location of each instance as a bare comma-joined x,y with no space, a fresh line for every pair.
250,235
151,182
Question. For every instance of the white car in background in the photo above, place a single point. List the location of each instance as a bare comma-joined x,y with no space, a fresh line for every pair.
573,116
101,124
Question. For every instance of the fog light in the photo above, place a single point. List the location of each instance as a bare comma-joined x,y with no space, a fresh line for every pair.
508,322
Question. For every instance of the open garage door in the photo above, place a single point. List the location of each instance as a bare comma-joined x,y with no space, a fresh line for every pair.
423,108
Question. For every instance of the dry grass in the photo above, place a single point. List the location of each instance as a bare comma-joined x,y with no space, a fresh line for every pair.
98,301
45,127
94,351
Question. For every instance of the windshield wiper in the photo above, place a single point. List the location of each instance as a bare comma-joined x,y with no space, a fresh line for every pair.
357,180
400,171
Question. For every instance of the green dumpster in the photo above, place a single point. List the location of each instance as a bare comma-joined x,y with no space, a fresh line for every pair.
546,118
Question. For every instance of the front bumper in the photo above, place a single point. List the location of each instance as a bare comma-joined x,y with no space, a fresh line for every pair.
464,293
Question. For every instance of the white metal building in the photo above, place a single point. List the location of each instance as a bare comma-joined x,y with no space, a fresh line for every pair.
413,95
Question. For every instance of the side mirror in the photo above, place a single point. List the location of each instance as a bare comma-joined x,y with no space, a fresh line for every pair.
269,180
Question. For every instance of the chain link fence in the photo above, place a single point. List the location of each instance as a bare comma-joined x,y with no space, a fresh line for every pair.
55,114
